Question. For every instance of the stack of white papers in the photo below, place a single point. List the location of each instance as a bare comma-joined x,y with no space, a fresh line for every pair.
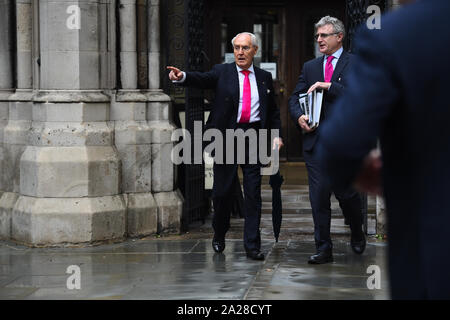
311,105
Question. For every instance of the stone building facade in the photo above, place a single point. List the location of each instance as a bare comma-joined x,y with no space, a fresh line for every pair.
85,134
85,128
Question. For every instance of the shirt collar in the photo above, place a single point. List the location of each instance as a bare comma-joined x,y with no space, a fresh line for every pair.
337,54
251,69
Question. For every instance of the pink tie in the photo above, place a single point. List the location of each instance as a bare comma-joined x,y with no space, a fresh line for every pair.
246,99
329,69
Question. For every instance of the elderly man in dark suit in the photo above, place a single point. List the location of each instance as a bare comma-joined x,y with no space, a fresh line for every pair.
398,92
327,73
244,99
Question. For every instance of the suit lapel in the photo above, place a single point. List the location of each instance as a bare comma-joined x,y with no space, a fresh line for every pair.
260,82
342,62
234,86
319,76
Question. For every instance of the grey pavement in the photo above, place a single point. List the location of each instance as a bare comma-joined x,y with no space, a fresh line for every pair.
186,267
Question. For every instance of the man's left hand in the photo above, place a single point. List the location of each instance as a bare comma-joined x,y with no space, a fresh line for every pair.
277,143
368,179
320,85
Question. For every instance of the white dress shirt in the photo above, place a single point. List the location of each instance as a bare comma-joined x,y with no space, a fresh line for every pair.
334,62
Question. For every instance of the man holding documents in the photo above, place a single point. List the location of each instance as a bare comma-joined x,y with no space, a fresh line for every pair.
325,75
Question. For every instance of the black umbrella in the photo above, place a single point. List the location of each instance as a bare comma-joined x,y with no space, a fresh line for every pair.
275,182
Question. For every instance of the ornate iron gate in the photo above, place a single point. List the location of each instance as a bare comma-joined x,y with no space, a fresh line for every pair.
356,14
194,173
184,49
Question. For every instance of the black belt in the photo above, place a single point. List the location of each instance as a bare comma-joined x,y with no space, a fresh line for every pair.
250,125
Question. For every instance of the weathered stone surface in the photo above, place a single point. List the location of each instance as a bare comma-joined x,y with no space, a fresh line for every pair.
158,111
128,111
24,43
69,172
4,110
159,108
170,209
161,131
6,50
20,110
11,166
142,214
70,57
7,202
71,112
64,96
50,221
163,177
16,132
136,167
132,132
68,134
133,143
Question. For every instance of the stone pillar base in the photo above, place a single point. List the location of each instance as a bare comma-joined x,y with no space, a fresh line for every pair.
170,209
142,214
66,221
7,202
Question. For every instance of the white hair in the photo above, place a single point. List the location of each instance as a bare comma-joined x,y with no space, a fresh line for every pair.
252,36
337,24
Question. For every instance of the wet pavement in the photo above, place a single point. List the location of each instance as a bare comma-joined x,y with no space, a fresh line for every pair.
180,267
185,267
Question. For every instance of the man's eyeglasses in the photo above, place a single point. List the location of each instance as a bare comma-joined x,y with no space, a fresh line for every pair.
244,48
324,35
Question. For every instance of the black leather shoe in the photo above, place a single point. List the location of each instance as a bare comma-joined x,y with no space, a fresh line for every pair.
321,257
358,247
218,244
255,255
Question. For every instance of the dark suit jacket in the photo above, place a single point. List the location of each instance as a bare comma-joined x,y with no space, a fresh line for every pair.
311,73
399,92
223,78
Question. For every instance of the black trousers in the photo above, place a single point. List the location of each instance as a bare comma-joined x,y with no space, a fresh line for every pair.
319,196
223,189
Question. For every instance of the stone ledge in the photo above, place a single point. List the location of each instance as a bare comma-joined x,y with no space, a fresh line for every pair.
53,221
70,96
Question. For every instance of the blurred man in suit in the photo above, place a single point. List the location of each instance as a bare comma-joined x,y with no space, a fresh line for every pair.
244,99
398,92
328,73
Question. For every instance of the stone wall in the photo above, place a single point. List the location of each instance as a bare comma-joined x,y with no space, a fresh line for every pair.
83,150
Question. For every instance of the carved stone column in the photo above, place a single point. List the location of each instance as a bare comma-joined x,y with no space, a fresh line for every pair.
70,171
6,90
132,133
159,117
20,107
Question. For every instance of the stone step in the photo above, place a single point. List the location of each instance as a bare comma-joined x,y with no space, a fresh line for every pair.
300,225
308,211
296,201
